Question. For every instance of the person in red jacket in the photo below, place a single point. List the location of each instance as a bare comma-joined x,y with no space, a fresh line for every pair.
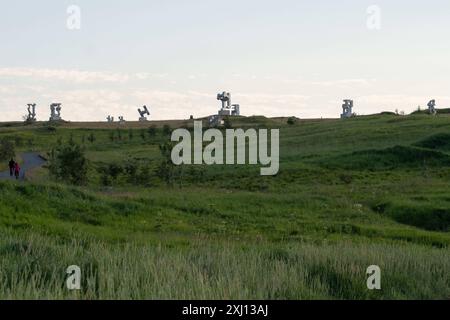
17,170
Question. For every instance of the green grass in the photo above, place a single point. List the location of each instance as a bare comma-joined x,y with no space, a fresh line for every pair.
34,267
349,194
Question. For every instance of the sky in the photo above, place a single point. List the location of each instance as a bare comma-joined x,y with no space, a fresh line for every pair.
277,58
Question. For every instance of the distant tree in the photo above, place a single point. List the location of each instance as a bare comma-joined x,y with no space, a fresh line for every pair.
291,121
119,134
152,131
91,138
227,123
143,134
18,141
68,163
83,139
131,169
130,134
144,174
7,149
112,136
167,130
109,173
166,170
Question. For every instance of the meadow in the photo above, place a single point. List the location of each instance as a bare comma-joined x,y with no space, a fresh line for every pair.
372,190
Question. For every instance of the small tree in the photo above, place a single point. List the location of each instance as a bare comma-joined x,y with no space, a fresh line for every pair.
152,131
143,135
130,134
91,138
167,130
68,163
227,123
109,173
131,169
166,170
112,136
7,149
291,121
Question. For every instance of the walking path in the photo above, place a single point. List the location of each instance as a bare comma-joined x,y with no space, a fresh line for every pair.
30,160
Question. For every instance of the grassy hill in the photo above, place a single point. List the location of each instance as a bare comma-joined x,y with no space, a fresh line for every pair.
349,194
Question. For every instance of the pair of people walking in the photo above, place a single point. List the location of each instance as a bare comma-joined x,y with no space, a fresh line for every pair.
14,169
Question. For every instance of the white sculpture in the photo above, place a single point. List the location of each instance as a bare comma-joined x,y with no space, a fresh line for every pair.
228,109
55,109
143,113
432,107
110,119
347,109
121,120
31,112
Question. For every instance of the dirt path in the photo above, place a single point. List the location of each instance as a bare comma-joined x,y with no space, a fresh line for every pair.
30,160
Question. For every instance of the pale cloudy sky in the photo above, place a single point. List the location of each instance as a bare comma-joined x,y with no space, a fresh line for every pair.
284,57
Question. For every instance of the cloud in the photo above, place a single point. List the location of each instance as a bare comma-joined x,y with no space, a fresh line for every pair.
113,93
343,83
76,76
390,102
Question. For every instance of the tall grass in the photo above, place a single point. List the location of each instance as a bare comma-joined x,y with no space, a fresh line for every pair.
33,267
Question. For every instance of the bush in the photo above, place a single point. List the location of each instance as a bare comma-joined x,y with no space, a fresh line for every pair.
68,163
109,173
152,131
291,121
227,123
166,170
167,130
7,149
91,138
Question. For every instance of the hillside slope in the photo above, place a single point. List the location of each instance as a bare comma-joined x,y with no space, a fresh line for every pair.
376,184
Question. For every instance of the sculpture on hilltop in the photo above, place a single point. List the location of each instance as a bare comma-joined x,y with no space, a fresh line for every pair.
143,114
55,112
31,112
347,109
432,107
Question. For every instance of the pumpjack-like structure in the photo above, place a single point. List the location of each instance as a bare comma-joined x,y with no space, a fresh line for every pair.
143,114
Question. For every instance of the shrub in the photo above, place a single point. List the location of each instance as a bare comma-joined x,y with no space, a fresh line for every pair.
227,123
130,134
7,149
167,130
166,170
152,131
91,138
68,163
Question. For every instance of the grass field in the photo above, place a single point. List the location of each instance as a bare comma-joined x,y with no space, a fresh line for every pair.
365,191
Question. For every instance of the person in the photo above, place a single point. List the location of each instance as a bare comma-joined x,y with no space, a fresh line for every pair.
12,165
17,170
